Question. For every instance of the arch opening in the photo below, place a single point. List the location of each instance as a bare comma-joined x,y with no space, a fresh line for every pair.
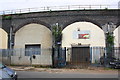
34,37
85,34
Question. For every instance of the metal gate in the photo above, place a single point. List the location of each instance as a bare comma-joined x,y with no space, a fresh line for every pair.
59,57
80,56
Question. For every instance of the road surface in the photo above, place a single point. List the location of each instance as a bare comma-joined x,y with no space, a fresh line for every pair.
35,74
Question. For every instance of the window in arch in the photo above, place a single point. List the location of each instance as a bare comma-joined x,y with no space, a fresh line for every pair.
32,49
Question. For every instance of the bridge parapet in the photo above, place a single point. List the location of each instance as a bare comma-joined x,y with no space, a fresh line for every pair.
57,8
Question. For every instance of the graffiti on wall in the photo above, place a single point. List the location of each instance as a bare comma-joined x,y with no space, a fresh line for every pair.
84,34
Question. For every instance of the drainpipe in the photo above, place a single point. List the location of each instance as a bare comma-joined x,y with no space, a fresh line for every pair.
10,43
11,28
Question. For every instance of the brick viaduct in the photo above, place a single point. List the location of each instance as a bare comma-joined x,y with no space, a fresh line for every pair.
63,18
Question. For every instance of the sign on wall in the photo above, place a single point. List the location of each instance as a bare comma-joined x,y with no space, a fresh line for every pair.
85,34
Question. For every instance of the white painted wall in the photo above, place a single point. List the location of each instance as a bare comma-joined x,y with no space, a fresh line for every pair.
36,34
97,37
33,34
3,43
117,41
3,39
117,37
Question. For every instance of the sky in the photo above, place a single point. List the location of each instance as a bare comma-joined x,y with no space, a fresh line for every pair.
20,4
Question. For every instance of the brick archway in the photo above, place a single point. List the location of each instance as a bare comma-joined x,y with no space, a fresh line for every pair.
29,22
81,20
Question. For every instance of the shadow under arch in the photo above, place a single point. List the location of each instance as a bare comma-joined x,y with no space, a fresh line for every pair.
30,22
82,20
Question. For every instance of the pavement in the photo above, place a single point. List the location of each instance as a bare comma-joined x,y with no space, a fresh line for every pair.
97,70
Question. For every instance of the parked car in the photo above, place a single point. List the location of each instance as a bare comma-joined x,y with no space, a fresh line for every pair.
115,63
104,60
9,71
4,75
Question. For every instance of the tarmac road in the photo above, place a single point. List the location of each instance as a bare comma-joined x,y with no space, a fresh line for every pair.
35,74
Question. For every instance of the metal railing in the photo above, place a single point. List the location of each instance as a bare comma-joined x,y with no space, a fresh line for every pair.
46,56
25,56
55,8
96,53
